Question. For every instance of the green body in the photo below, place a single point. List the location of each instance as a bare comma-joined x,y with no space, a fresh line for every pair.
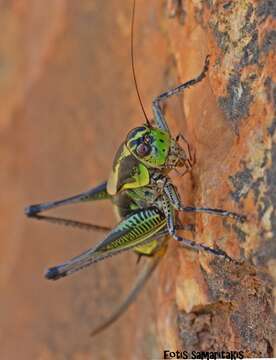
129,182
144,198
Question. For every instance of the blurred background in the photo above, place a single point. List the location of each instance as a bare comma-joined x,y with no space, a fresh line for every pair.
67,101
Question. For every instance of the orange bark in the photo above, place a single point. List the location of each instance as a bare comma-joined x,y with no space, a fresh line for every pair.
67,101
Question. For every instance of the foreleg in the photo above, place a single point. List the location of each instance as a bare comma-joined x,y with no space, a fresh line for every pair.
157,111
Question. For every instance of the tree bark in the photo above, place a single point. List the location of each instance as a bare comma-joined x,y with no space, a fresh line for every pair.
230,121
67,102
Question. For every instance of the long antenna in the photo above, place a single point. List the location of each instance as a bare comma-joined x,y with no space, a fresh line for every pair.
132,65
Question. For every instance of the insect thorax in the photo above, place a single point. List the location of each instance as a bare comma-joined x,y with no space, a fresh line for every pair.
130,200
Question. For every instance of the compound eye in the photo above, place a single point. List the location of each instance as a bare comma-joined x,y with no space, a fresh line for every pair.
143,149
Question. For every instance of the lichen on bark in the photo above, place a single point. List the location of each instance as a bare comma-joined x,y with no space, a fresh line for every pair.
228,306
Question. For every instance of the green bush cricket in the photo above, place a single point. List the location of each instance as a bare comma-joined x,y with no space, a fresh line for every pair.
143,195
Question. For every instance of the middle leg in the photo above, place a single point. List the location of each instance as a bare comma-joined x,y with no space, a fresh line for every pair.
172,227
174,198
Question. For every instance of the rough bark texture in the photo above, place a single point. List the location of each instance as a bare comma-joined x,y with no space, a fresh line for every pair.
67,100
